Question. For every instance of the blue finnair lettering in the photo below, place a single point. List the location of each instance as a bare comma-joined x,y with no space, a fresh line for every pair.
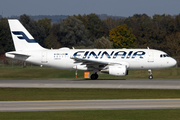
23,36
94,54
114,55
85,55
120,53
107,55
129,54
139,53
78,55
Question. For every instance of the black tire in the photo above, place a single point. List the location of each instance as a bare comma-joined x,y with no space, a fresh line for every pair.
150,77
94,76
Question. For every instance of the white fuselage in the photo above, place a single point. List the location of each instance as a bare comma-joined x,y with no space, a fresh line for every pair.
62,58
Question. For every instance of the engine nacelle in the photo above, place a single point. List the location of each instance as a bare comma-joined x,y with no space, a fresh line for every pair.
118,70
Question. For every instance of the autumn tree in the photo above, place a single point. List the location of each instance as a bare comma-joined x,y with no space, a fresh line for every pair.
94,27
83,18
173,43
111,23
71,32
177,22
102,43
122,37
141,27
52,42
46,24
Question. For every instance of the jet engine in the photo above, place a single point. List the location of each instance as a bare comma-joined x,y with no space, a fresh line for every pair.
119,70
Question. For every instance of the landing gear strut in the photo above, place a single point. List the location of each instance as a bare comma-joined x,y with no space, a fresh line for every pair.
150,74
94,76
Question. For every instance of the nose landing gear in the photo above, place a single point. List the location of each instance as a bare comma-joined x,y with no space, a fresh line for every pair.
150,74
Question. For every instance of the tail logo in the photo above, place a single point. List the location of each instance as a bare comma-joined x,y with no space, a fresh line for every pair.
23,36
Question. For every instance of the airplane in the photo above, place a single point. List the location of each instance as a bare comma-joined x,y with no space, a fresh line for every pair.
116,62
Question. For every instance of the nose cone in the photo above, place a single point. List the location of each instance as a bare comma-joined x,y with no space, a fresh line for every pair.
173,62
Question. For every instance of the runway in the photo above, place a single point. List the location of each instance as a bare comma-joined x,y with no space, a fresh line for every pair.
87,83
89,105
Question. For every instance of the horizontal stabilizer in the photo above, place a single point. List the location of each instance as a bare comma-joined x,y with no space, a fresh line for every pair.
19,54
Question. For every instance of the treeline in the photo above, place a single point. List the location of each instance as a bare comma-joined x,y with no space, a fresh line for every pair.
58,18
89,31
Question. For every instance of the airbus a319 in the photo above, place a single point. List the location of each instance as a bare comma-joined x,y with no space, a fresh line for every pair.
115,62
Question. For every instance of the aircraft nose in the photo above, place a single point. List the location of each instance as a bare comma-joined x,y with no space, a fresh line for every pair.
173,62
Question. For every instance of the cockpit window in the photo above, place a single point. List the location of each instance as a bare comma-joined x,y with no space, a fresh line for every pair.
164,55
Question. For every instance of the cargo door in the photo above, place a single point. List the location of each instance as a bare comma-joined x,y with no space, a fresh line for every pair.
44,58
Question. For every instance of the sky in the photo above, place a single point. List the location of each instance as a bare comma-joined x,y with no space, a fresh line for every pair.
123,8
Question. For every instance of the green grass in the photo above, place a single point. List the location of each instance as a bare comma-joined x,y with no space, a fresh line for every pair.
169,114
27,94
17,72
16,94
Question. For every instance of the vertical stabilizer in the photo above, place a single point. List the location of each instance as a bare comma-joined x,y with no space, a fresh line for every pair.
21,37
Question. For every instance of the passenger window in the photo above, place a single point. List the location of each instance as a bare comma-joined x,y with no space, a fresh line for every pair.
161,56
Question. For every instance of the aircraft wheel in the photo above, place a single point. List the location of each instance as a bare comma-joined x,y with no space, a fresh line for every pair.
150,77
94,76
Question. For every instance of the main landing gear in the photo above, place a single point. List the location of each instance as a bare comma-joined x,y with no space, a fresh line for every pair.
150,74
94,76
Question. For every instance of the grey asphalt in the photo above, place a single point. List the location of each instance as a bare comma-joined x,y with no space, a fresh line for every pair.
89,105
87,83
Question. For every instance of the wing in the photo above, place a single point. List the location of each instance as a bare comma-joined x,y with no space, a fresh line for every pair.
89,61
98,64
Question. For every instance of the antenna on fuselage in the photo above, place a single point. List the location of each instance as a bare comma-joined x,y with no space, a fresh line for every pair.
147,47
